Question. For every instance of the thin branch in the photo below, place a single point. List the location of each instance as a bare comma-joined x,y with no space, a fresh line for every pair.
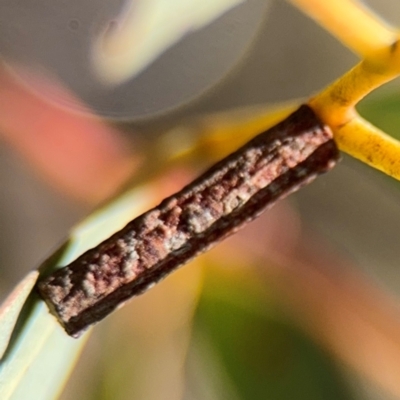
356,26
227,196
336,107
370,145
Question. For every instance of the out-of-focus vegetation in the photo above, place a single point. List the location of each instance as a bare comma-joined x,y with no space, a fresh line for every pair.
301,304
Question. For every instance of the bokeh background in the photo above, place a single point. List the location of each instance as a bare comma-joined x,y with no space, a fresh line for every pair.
302,304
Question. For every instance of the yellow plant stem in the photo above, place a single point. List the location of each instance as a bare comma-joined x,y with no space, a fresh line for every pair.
351,22
368,144
335,106
223,133
214,136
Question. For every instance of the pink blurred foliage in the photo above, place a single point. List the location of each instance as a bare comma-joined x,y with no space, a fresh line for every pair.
77,153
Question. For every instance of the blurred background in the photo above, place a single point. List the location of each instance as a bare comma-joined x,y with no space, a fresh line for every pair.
304,302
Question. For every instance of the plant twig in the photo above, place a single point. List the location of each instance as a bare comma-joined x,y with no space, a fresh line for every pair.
370,145
227,196
335,106
352,23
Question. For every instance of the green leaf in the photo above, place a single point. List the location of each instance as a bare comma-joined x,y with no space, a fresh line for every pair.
120,54
40,355
10,309
263,355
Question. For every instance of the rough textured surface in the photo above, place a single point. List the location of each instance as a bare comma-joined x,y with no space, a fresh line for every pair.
234,191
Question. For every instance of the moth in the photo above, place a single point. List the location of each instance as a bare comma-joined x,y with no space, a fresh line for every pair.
223,199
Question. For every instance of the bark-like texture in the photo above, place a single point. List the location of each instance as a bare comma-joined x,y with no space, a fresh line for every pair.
227,196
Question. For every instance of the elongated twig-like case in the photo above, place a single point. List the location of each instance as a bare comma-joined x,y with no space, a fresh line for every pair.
231,193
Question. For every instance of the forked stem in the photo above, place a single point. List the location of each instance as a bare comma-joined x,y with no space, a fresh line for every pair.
378,44
336,107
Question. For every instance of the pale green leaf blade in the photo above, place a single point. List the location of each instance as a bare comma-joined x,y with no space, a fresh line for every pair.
10,309
40,354
119,54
